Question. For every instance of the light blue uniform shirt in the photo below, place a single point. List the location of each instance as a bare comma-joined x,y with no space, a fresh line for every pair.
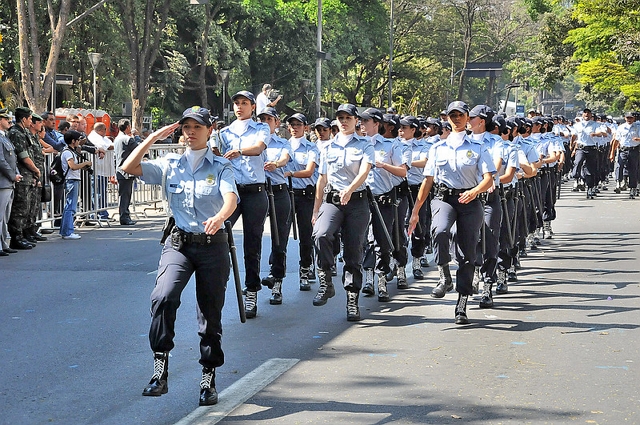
419,151
509,159
583,130
461,167
341,161
277,147
405,153
387,151
301,156
194,196
626,133
247,169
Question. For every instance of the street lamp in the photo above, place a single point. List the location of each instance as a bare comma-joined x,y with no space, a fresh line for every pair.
224,74
95,59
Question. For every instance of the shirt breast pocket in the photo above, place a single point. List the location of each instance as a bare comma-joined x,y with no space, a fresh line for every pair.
468,158
204,189
354,157
335,161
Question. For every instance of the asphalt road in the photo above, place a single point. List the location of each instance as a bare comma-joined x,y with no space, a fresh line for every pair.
561,347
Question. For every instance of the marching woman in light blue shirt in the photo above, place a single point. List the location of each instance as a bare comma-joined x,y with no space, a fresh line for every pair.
459,169
389,163
302,169
341,202
277,156
243,143
201,194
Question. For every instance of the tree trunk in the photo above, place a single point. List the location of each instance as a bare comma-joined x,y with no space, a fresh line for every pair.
36,89
143,50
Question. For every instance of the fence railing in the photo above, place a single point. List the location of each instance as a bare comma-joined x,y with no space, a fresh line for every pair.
98,195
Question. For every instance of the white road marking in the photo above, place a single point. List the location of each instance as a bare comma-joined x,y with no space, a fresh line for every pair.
239,392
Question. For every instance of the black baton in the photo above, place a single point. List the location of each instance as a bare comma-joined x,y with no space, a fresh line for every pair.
236,271
272,214
412,204
376,209
396,222
505,214
483,229
294,220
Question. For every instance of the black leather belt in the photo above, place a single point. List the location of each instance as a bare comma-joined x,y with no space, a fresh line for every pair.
628,148
385,198
251,188
279,187
445,190
307,191
587,148
333,197
199,238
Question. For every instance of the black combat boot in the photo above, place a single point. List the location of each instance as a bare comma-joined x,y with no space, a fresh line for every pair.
276,293
158,384
17,242
353,310
461,310
251,304
487,298
208,393
304,279
367,287
325,290
445,284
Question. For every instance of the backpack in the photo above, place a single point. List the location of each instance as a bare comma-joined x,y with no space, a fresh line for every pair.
56,172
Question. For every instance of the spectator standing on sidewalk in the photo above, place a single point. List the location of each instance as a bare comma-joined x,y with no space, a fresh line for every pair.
124,143
71,167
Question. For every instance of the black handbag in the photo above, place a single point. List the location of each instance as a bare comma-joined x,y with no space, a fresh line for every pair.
45,195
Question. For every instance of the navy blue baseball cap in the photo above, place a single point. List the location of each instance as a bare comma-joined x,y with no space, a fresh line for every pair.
390,118
299,117
244,93
482,111
348,108
410,120
322,122
269,111
434,121
372,113
459,106
201,115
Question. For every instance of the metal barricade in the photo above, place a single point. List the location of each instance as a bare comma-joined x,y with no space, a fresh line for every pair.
98,196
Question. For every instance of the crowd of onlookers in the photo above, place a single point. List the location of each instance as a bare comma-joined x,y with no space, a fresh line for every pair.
28,141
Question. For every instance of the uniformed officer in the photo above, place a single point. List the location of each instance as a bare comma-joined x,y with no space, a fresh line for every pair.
627,145
302,169
481,123
585,149
411,134
201,194
30,231
389,162
9,175
243,143
277,155
341,202
459,168
25,188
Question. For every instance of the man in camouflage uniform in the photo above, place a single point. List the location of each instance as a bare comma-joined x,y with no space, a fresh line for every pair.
21,139
30,232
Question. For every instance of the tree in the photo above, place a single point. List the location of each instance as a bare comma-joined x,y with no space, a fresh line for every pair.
142,33
606,46
36,89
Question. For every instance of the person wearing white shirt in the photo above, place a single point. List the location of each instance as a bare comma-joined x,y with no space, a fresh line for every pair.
104,167
263,101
